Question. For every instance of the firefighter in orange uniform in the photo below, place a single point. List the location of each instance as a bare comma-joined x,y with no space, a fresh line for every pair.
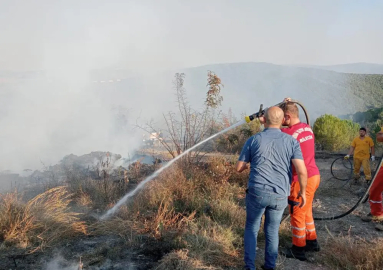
302,221
375,196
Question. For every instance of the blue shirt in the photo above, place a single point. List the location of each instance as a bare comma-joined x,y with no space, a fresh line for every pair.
270,153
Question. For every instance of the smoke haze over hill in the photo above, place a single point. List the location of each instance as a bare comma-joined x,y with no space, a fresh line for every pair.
75,76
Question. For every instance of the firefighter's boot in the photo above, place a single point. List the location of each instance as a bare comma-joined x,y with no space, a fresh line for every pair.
312,245
295,252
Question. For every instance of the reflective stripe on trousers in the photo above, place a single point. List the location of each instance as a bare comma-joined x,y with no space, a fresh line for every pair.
302,221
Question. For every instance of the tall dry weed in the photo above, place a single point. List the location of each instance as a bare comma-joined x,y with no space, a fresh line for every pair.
40,222
212,243
214,234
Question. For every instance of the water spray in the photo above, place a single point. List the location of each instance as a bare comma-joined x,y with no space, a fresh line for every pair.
247,119
156,173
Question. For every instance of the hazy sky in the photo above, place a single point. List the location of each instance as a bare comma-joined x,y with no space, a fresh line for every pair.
41,34
62,112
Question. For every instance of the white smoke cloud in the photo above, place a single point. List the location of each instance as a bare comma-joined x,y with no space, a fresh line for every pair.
59,114
63,112
59,263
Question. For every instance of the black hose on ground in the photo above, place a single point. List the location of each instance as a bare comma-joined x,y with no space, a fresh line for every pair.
361,199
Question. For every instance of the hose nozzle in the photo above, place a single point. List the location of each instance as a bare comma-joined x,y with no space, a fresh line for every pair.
250,118
261,112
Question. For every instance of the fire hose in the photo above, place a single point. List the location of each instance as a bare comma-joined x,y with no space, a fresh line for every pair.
363,198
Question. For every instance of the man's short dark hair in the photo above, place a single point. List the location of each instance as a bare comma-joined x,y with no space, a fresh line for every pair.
290,107
362,128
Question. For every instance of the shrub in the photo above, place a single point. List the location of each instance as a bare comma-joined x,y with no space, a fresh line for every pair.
334,134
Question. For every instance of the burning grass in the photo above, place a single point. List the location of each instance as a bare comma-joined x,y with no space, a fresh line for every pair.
40,222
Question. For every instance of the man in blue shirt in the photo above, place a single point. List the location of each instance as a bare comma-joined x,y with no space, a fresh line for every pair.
270,154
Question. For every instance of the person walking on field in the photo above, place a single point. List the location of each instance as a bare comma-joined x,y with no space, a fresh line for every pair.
304,237
375,195
271,154
361,147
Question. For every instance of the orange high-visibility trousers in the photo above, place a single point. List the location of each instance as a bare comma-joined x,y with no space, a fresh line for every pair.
302,221
375,198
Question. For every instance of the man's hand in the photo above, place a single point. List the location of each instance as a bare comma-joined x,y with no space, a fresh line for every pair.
372,158
303,196
262,119
347,157
241,166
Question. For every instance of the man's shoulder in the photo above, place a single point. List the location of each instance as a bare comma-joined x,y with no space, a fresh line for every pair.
299,128
304,125
288,137
253,138
288,130
264,135
300,125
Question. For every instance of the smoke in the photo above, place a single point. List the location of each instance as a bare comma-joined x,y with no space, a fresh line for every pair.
59,114
59,111
156,173
59,263
62,107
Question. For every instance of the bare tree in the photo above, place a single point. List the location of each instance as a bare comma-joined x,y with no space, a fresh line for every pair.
188,127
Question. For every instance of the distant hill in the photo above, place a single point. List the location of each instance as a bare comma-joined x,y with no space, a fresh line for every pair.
321,91
246,86
356,68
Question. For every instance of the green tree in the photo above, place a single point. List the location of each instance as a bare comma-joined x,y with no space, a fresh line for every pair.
372,119
334,134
